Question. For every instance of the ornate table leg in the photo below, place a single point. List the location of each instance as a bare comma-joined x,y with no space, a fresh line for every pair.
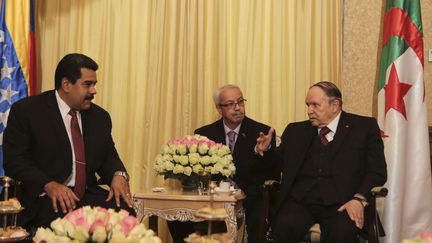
139,209
231,220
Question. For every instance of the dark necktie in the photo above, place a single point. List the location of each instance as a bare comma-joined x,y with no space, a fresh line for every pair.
80,165
231,140
322,135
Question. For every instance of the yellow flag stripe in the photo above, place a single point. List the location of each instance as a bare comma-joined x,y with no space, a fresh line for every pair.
18,22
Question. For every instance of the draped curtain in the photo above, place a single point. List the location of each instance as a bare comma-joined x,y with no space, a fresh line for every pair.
161,60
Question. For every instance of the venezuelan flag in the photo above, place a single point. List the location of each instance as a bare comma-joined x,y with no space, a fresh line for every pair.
17,59
20,22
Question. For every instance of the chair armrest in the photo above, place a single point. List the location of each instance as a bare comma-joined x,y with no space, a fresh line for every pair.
379,191
271,183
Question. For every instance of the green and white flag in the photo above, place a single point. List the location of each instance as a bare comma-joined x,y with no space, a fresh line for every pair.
402,116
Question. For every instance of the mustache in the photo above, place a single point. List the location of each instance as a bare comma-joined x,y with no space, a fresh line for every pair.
90,97
238,113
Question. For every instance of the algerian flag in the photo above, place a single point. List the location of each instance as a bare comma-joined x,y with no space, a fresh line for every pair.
402,118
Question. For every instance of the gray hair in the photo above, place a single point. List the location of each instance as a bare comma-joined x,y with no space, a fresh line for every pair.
216,94
330,89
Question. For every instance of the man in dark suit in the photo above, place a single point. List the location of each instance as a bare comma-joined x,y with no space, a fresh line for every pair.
330,164
230,104
57,141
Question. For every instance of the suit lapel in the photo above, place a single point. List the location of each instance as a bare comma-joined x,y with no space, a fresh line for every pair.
341,133
304,142
57,120
241,137
220,133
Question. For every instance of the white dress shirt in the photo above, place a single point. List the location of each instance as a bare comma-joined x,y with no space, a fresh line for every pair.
64,111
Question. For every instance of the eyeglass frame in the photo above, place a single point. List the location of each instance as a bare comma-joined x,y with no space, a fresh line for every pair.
240,102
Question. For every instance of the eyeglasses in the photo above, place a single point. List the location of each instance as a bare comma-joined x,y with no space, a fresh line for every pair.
241,102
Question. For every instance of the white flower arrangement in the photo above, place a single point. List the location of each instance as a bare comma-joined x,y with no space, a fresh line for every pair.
193,155
96,224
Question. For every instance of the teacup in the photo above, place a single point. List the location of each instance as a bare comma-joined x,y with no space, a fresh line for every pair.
224,186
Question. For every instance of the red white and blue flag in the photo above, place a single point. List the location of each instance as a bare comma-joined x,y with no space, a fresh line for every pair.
16,60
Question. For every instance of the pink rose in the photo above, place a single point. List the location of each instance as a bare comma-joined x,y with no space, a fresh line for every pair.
96,223
128,223
78,218
427,235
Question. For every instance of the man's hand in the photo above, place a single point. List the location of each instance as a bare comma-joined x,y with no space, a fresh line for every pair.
355,211
61,194
120,188
263,141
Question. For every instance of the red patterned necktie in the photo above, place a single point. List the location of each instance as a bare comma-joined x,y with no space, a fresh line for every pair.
231,140
322,135
80,165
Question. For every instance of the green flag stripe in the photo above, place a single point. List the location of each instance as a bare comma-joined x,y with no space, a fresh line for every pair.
391,51
411,7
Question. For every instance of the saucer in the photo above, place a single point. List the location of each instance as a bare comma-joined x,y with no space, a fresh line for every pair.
223,192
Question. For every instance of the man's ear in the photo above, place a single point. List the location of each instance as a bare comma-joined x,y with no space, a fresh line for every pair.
66,85
219,109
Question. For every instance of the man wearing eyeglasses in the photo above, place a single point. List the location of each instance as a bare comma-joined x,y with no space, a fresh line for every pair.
240,133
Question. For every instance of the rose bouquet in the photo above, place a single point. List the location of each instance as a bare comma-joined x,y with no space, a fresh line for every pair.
424,237
96,224
193,155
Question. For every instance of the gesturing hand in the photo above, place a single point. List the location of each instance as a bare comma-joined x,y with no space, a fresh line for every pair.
59,193
120,188
263,141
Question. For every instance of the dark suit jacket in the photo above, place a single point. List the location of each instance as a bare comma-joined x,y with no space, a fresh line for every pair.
37,148
247,177
357,156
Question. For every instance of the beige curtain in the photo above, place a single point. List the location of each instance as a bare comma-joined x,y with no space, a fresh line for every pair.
161,60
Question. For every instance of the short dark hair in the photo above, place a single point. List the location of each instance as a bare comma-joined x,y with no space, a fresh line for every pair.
70,67
330,89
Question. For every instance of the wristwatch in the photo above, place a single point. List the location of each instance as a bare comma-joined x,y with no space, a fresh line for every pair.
361,199
122,173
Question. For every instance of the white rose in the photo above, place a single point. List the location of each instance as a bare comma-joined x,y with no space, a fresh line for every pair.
205,160
194,158
215,159
232,169
184,160
165,149
172,149
203,149
193,148
181,149
178,169
139,229
226,172
168,157
213,150
168,166
224,161
80,234
223,151
57,226
198,168
99,234
187,171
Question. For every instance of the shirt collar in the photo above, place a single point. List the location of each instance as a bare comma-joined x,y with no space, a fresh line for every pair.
63,107
334,123
227,129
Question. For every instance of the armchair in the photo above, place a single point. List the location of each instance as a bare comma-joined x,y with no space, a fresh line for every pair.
371,231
